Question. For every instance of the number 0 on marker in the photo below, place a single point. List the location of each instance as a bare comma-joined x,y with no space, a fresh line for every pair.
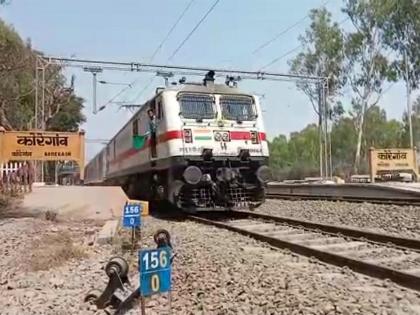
155,283
155,271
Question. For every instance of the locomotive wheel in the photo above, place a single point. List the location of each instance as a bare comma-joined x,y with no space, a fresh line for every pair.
92,296
117,264
162,235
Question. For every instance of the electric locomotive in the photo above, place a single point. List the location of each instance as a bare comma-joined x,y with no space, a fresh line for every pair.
208,150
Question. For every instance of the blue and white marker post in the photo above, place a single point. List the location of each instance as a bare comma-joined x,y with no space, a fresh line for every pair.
155,272
132,219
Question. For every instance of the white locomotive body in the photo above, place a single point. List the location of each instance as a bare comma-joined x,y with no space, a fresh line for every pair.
209,150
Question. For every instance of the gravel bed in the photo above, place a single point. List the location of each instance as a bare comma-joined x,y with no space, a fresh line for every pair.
399,220
214,272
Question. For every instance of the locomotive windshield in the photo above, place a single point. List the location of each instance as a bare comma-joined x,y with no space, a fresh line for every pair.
237,108
196,106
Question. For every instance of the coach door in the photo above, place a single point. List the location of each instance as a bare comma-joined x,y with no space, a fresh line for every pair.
156,105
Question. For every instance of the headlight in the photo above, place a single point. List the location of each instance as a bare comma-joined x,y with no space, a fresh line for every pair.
192,175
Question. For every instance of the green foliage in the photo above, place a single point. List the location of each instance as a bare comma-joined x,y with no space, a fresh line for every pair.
321,56
298,158
415,119
367,66
69,117
17,88
15,76
383,43
402,34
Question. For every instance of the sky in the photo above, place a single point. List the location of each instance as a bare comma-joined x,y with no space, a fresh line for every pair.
131,30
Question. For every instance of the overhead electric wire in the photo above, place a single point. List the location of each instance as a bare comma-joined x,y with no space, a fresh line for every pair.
180,45
158,48
171,30
281,57
193,30
275,60
144,88
177,69
278,35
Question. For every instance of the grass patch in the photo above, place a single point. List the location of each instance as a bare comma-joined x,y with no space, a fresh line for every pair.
10,207
5,202
54,250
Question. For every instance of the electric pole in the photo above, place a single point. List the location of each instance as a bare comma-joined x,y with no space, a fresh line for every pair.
94,71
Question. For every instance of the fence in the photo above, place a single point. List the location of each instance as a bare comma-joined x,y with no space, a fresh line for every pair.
16,177
9,167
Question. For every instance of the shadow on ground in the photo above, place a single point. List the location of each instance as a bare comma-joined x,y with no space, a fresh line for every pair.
167,211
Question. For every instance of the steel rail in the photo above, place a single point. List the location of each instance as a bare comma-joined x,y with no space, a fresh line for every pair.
404,279
388,201
410,243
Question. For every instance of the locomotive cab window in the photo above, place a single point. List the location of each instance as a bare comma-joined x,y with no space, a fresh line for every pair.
238,108
197,106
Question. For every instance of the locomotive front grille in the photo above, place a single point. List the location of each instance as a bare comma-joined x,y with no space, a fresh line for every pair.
203,197
239,196
196,197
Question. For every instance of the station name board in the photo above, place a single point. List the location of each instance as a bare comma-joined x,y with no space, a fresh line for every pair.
42,146
392,160
392,155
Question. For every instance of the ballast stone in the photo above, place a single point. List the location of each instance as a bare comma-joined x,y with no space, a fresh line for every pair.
108,232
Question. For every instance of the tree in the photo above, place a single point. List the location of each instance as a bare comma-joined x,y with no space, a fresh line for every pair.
367,67
342,145
303,151
17,88
297,157
415,118
321,56
279,157
402,35
15,75
68,117
380,132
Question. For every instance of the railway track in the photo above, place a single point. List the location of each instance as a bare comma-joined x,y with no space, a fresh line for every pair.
372,193
377,255
386,201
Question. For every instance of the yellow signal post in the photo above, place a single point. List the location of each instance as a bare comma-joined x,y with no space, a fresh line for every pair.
144,205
